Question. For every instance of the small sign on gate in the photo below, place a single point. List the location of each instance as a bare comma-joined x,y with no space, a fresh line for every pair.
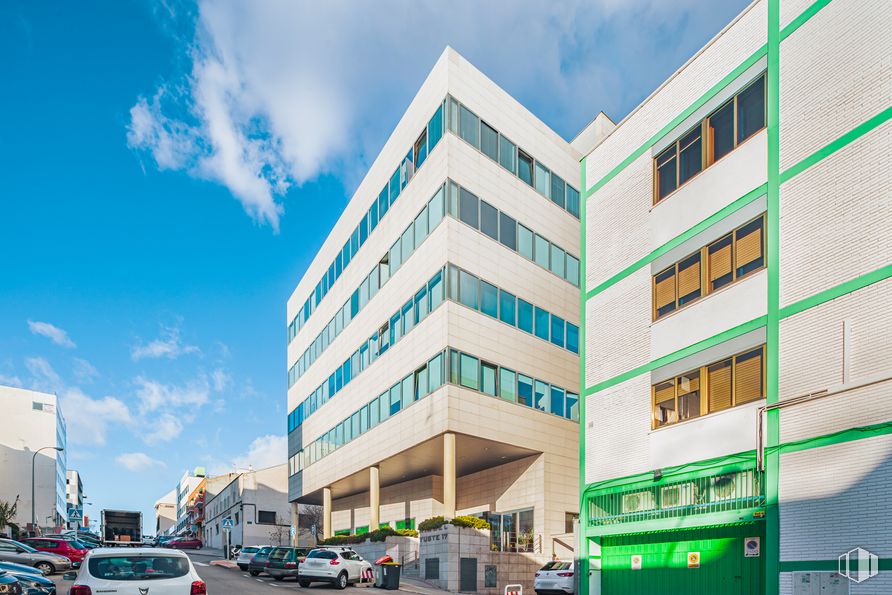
513,589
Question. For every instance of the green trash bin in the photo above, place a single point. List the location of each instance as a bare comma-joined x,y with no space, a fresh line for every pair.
391,576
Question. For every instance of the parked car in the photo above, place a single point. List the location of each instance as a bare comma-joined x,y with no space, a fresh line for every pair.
133,570
33,582
69,537
260,562
15,568
183,543
160,540
14,551
337,565
246,554
9,584
72,550
555,578
285,561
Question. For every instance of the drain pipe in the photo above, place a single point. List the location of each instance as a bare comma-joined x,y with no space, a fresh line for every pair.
807,398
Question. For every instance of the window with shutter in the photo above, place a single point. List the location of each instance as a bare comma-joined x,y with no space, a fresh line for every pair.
664,404
748,377
720,386
749,254
689,279
720,272
689,396
664,292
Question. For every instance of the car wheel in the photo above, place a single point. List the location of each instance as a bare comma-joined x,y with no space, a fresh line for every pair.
45,567
242,567
255,572
342,581
279,578
304,584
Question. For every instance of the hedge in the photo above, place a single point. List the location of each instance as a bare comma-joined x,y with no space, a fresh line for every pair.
459,521
376,535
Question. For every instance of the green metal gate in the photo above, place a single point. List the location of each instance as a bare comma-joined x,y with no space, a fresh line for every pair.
707,561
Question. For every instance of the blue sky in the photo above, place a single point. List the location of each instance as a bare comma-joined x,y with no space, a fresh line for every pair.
168,169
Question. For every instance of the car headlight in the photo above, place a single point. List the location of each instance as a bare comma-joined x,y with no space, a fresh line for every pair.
11,588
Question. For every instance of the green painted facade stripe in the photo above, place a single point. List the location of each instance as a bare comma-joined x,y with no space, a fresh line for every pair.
741,68
838,291
824,565
847,138
841,437
803,18
735,206
681,353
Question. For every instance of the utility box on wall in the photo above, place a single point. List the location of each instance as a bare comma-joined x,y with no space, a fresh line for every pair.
820,583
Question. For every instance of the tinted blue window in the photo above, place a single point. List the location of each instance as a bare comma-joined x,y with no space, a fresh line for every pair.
338,267
489,299
524,390
557,401
573,201
395,186
348,376
435,129
542,321
524,316
507,308
354,303
332,388
363,230
373,216
339,379
557,330
573,338
346,255
383,203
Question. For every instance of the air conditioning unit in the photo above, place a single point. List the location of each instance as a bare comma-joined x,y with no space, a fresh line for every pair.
638,502
724,487
674,496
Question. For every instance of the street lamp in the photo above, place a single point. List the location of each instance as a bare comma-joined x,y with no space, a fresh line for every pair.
33,461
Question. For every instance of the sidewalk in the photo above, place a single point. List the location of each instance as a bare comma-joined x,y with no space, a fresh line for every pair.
418,586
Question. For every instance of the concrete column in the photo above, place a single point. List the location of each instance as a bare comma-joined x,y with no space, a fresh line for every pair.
326,513
374,498
295,522
449,475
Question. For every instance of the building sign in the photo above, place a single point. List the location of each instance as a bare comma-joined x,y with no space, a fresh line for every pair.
636,561
693,559
752,547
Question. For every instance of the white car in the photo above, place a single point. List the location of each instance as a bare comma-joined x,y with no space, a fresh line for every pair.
337,565
246,554
136,571
556,577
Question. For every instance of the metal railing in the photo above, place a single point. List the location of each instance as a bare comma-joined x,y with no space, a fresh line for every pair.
739,490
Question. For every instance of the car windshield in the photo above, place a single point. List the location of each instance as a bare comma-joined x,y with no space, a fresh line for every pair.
133,568
24,546
264,551
280,553
77,545
555,565
249,550
325,554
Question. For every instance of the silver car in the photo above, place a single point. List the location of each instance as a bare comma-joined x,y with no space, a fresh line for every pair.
19,553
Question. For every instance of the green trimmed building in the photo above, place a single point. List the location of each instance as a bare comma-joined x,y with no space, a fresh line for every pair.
736,315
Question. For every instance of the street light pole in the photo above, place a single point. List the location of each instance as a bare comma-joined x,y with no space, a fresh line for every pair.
33,461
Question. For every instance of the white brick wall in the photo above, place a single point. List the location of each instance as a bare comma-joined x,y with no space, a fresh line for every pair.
617,425
835,218
835,498
727,50
836,72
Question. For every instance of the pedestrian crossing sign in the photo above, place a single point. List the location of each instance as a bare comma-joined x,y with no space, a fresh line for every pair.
227,523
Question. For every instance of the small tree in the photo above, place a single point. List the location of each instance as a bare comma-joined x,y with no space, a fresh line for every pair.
7,512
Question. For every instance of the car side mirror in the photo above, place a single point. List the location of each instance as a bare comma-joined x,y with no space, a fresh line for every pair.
69,576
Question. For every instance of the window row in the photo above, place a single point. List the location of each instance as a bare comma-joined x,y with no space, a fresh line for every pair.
724,261
424,223
482,216
468,126
480,295
711,139
414,311
721,385
416,156
458,368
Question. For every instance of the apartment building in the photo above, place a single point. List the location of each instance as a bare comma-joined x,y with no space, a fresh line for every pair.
32,443
166,513
74,499
185,486
737,426
433,341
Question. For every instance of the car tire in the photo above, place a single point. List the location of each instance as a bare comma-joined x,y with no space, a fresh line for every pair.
341,583
242,567
255,573
45,567
303,583
279,578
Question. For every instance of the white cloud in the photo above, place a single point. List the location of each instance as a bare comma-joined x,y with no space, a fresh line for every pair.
11,380
89,419
221,379
83,370
274,98
163,429
43,377
137,461
154,395
264,451
168,345
51,332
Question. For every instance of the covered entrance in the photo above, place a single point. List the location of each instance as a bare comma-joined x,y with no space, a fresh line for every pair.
720,559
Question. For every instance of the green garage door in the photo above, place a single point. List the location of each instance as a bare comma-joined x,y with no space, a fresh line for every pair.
707,561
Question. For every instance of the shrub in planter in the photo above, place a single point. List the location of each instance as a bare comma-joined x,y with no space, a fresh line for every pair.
459,521
407,532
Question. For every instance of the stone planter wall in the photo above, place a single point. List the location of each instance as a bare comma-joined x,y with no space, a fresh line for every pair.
395,546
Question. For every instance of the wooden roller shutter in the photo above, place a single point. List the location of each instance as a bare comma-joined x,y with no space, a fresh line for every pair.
720,386
689,279
720,262
748,384
664,292
749,245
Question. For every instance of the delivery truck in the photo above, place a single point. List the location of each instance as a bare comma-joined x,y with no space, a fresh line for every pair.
121,528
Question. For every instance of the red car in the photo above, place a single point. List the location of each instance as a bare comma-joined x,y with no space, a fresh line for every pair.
184,543
62,547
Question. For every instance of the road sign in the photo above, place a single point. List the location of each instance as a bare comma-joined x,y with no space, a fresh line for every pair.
74,515
227,523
